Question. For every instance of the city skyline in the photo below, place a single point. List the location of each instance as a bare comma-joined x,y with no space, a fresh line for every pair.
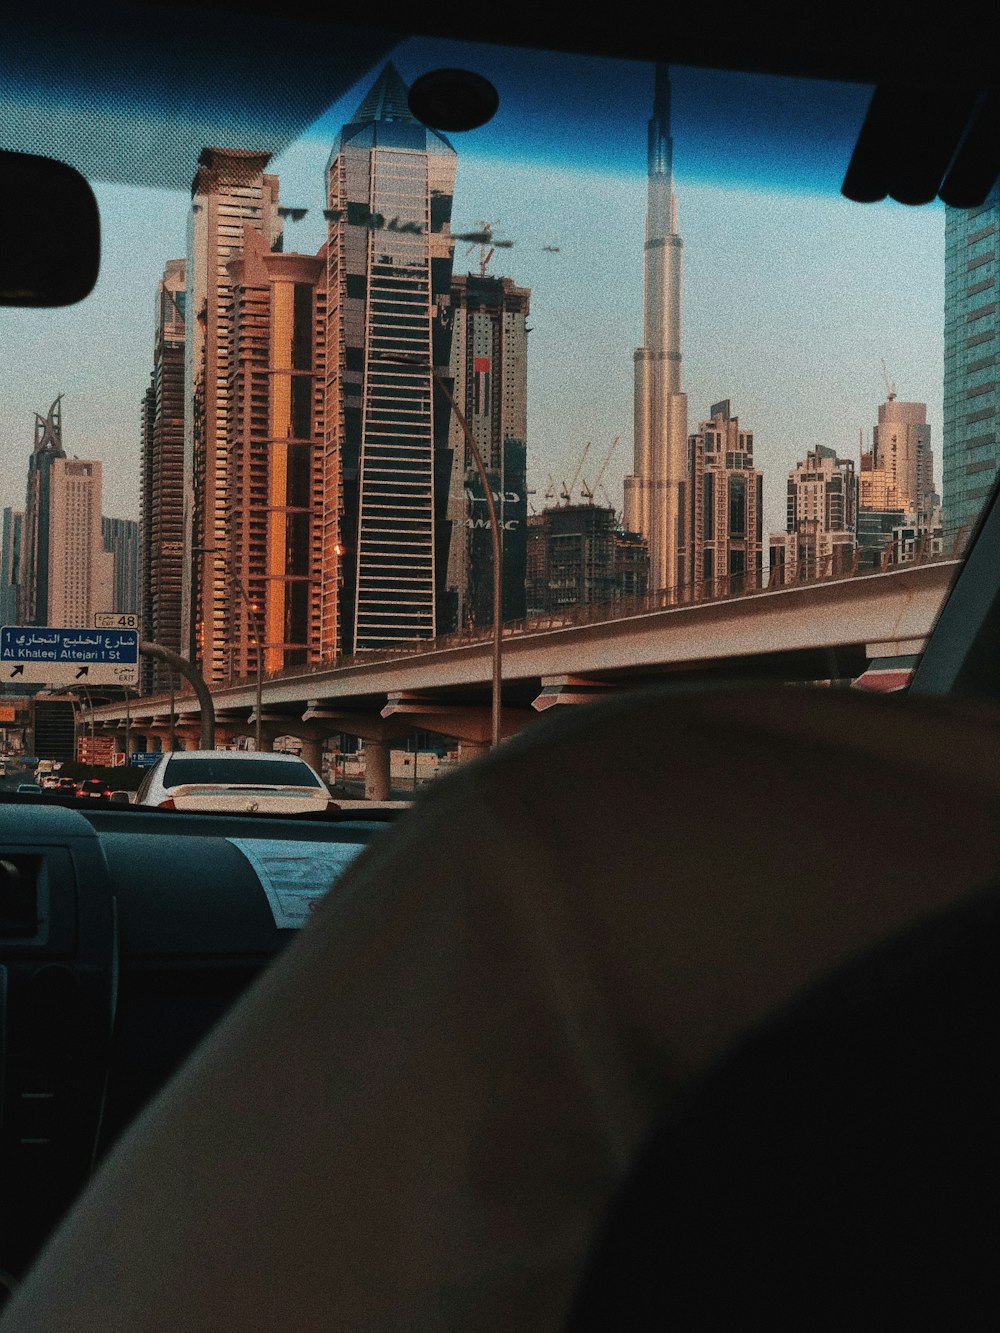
792,330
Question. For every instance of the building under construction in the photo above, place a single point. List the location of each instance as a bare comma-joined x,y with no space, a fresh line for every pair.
578,556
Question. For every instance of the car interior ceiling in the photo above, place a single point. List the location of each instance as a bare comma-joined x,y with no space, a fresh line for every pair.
519,1075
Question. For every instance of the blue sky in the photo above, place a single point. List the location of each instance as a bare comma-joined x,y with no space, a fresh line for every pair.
791,296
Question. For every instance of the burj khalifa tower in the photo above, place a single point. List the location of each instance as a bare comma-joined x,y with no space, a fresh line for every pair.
654,493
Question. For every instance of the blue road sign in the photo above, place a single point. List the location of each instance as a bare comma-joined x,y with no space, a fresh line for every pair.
64,655
144,758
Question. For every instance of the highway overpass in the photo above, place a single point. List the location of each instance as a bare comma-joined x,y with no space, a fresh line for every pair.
823,630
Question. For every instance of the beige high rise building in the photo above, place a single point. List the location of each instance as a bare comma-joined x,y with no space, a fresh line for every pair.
726,506
898,472
230,191
820,539
66,574
81,571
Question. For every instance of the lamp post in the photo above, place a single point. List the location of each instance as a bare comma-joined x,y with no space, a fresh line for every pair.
252,615
172,738
494,531
128,725
90,709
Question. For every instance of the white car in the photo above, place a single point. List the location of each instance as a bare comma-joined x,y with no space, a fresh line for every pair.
234,780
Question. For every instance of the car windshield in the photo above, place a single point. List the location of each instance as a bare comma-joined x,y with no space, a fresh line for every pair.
243,772
721,422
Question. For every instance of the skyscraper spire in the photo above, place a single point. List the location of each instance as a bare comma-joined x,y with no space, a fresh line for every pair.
48,431
661,146
655,492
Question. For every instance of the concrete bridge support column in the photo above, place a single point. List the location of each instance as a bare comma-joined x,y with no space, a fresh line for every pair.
471,726
377,734
312,751
377,774
471,749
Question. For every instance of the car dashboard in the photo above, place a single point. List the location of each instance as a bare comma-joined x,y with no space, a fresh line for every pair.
125,935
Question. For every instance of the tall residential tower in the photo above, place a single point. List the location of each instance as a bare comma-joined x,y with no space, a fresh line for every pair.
654,493
230,191
489,369
726,505
390,183
162,568
66,574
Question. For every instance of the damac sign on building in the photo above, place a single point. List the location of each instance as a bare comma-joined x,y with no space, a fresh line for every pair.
500,498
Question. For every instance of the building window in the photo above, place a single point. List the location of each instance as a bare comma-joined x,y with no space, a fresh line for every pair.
737,505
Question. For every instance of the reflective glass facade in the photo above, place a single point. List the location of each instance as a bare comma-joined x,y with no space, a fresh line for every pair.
489,369
390,184
971,452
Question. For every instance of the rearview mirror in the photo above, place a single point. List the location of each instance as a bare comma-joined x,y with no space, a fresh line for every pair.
50,244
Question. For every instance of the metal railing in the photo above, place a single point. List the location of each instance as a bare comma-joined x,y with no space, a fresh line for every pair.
729,587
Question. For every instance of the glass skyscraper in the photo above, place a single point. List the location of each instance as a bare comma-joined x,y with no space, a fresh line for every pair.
489,369
971,452
390,183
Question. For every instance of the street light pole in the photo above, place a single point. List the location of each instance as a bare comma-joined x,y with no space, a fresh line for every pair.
494,534
252,615
259,654
173,733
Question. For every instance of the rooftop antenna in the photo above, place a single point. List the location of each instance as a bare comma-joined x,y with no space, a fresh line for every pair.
890,388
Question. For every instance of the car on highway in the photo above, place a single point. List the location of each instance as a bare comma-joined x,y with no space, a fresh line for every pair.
234,780
68,785
95,789
28,787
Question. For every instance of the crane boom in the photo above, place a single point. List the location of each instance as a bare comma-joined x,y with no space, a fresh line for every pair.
607,460
568,493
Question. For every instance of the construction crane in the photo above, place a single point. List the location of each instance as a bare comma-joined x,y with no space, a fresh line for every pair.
567,491
550,490
890,388
608,502
588,491
484,255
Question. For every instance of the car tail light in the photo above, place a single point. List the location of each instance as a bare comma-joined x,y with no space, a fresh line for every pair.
332,805
168,804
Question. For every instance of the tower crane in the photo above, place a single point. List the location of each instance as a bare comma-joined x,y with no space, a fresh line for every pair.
484,255
890,388
588,491
567,492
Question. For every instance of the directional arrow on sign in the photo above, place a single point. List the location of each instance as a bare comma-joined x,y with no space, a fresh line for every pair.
62,654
